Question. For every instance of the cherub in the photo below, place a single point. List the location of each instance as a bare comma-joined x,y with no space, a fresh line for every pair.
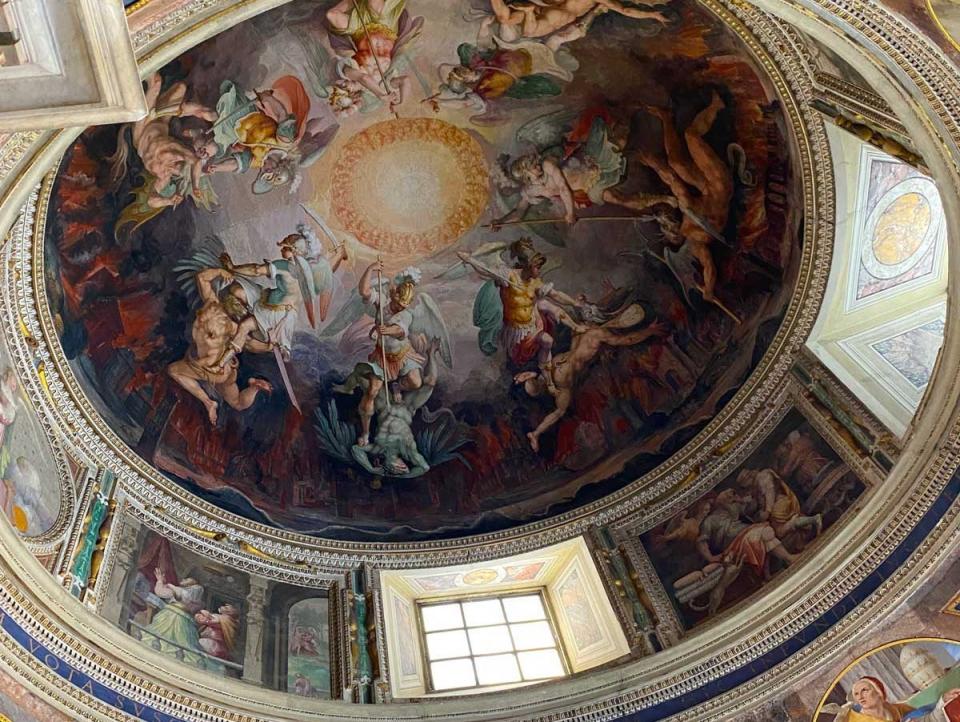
559,378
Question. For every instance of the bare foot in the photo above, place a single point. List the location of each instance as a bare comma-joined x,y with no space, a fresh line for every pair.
534,441
211,407
261,384
363,440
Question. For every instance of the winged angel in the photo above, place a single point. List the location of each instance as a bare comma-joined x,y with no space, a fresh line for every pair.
249,307
269,130
398,377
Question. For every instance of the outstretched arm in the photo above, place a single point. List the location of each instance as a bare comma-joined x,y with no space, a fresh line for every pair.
517,214
562,298
365,287
485,272
630,10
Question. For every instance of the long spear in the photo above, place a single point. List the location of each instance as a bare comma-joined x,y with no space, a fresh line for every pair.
376,60
383,346
542,221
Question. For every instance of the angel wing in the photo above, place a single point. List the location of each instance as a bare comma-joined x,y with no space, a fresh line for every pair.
186,269
428,323
350,312
308,290
546,131
320,65
315,141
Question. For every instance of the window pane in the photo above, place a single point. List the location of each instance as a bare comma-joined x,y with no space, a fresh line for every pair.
542,664
444,645
524,609
452,674
498,669
441,616
490,640
532,635
488,611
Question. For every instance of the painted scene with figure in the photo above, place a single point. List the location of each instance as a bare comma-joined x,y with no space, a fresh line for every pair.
759,520
388,269
912,679
30,491
198,613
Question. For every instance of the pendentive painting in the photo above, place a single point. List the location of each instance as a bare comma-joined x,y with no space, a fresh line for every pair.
756,522
912,679
29,477
396,269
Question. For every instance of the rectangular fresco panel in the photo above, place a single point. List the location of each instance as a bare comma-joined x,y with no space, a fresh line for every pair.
186,607
756,522
308,657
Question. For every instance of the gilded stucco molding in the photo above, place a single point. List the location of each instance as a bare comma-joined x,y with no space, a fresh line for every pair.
656,678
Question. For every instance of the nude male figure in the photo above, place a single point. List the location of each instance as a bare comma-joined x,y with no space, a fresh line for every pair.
701,182
217,339
163,156
562,21
559,378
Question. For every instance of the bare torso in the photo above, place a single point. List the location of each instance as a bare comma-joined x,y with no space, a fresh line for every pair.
212,331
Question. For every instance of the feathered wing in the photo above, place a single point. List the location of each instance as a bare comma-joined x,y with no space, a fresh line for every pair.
336,437
186,269
308,291
441,437
547,131
428,324
353,310
323,285
320,65
315,141
488,317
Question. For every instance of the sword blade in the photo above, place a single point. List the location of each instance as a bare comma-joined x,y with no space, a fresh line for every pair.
322,224
286,379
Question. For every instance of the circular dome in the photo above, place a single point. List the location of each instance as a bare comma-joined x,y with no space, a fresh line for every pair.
642,201
575,253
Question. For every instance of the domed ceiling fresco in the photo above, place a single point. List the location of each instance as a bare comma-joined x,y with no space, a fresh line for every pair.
393,270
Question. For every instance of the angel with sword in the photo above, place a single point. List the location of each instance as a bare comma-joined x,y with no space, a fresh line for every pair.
406,325
529,307
274,291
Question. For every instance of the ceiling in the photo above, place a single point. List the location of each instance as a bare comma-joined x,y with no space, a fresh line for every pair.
385,293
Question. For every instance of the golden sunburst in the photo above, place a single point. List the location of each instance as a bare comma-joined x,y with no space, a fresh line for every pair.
410,185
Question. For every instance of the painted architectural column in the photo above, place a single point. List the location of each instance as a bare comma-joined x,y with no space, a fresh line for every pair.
257,601
123,560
